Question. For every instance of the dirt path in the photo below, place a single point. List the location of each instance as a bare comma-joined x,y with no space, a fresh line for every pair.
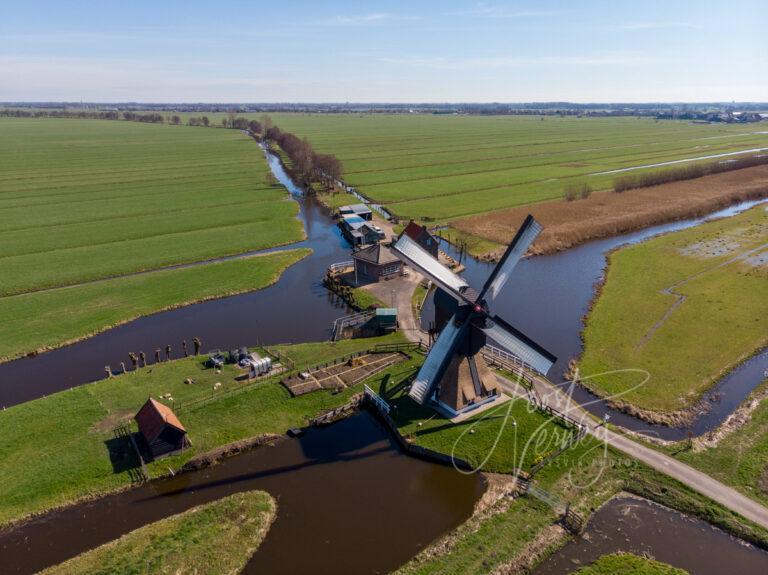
696,480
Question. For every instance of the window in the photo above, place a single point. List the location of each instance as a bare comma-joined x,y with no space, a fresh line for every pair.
390,269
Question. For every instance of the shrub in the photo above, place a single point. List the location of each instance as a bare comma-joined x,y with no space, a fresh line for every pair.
647,179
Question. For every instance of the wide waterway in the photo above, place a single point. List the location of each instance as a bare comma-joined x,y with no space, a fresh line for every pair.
546,298
348,502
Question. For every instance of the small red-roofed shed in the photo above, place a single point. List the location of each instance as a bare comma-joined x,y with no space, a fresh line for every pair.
161,429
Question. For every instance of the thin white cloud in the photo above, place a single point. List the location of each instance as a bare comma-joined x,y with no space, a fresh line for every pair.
496,62
363,19
485,10
655,25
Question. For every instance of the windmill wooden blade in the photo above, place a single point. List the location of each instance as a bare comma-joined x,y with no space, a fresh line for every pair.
436,362
520,345
416,256
522,240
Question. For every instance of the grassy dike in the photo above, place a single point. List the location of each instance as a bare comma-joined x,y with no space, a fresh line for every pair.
215,538
61,448
628,564
44,320
640,321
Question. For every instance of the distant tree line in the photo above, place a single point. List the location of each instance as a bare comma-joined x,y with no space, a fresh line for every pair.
633,181
151,118
85,114
201,121
307,166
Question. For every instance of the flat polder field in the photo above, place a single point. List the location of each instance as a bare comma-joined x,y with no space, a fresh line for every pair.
84,201
687,307
443,167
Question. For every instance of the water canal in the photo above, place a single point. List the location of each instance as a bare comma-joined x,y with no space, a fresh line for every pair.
296,309
644,528
546,299
348,502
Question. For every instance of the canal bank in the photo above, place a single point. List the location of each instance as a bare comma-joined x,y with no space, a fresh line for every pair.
548,300
635,525
349,501
552,294
296,309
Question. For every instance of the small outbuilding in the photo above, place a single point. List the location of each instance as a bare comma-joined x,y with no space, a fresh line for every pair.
359,231
360,210
161,429
421,235
376,262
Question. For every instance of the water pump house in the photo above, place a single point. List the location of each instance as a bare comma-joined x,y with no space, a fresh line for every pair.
161,429
376,262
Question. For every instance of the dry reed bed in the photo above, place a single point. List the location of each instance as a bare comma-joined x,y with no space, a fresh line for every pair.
567,224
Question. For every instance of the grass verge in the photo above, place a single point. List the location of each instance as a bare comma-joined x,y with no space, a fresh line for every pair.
43,320
628,564
215,538
61,448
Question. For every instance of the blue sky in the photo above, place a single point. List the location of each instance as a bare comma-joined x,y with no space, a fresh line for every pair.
389,51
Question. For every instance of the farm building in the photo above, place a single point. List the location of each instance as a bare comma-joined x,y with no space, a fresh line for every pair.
385,319
376,262
421,236
360,232
161,429
360,210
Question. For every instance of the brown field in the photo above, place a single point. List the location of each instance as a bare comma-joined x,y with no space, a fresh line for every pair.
601,215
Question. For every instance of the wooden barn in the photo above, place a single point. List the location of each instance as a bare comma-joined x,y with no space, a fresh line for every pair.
161,429
421,236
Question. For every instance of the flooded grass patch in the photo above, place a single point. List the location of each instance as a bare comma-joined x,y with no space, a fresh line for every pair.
685,319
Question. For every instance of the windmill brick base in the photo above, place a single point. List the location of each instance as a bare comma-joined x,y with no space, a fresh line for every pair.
458,391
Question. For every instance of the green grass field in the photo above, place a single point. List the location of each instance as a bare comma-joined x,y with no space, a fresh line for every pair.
87,200
214,538
39,320
722,319
628,564
81,199
58,448
476,164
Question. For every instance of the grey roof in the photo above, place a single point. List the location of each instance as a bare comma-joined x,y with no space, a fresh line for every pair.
376,254
356,208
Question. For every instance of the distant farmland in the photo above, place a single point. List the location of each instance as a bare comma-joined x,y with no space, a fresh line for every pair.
84,200
446,167
81,200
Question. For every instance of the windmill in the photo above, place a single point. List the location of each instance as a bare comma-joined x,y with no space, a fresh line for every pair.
454,374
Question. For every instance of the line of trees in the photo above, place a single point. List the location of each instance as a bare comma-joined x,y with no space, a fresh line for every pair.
84,114
201,121
644,180
308,166
151,118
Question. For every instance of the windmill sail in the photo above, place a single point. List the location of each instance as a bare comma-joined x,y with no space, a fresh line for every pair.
419,258
522,240
438,357
519,345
